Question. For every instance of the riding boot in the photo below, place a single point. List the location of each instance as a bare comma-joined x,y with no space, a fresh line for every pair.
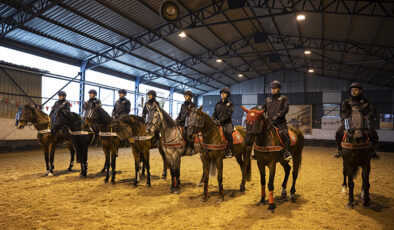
286,152
229,153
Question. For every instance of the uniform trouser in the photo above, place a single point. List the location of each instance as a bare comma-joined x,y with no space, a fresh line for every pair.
371,133
284,134
184,135
228,134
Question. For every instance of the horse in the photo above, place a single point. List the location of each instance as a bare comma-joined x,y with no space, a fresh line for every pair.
141,146
110,133
29,114
171,142
268,150
81,136
356,152
212,146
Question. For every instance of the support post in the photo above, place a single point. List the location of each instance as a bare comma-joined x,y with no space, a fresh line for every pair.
171,99
82,85
136,94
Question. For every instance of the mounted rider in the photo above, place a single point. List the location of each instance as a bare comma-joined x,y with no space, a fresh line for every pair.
276,107
92,100
222,116
361,103
182,116
62,103
148,105
122,105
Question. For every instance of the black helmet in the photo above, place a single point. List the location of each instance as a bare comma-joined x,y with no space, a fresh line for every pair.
62,93
188,92
275,84
225,90
93,91
152,92
122,91
356,85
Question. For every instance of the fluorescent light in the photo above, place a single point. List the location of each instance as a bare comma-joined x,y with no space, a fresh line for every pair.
240,75
307,52
219,60
182,34
311,70
300,17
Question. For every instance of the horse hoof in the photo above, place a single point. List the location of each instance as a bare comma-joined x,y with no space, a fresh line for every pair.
50,174
344,189
292,198
271,207
69,169
177,191
200,184
220,199
205,198
113,181
366,204
262,202
242,188
350,205
148,185
283,195
106,181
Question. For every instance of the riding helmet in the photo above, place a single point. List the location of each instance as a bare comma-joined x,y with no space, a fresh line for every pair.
122,91
93,91
275,84
225,90
356,85
62,93
152,92
188,92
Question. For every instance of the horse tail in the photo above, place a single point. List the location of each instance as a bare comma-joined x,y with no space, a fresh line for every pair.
247,152
212,169
297,158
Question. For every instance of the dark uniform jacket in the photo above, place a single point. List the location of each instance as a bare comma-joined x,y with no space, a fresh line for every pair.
89,103
276,107
147,106
363,104
184,113
60,104
122,106
223,112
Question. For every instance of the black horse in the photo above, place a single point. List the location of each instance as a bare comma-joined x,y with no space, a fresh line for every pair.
29,114
356,152
81,135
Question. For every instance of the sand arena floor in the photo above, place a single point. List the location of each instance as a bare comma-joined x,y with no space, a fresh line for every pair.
31,200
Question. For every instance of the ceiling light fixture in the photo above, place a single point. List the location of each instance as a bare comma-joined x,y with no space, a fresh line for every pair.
182,34
300,17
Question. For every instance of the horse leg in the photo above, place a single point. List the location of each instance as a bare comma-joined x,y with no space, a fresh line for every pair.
52,147
107,162
261,166
366,169
351,190
240,162
147,166
206,164
177,168
72,153
287,169
219,166
142,161
344,184
105,166
136,155
271,202
45,149
163,156
295,176
113,165
202,176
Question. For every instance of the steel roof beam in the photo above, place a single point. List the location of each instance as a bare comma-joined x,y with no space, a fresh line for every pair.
372,8
24,14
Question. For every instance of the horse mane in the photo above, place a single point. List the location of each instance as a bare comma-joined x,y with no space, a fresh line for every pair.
138,119
168,118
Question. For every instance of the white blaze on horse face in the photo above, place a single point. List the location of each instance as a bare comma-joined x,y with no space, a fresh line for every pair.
252,114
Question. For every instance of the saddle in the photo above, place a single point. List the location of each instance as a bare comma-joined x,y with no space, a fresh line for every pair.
237,139
275,148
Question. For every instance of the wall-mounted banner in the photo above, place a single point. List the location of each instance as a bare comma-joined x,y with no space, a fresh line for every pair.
300,116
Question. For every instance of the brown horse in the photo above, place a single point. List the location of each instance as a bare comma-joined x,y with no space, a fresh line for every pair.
41,121
141,146
110,133
213,147
268,151
356,152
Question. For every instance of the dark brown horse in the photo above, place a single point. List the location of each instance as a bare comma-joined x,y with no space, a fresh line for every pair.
213,147
268,151
141,146
41,121
110,133
356,152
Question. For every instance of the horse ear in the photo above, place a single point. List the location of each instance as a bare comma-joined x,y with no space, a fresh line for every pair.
244,109
200,109
132,119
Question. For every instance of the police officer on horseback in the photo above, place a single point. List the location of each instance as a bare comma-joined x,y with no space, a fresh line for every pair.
276,107
62,103
92,100
122,106
222,116
183,114
357,100
149,103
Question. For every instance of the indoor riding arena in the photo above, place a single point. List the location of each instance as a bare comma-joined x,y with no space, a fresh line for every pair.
203,114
